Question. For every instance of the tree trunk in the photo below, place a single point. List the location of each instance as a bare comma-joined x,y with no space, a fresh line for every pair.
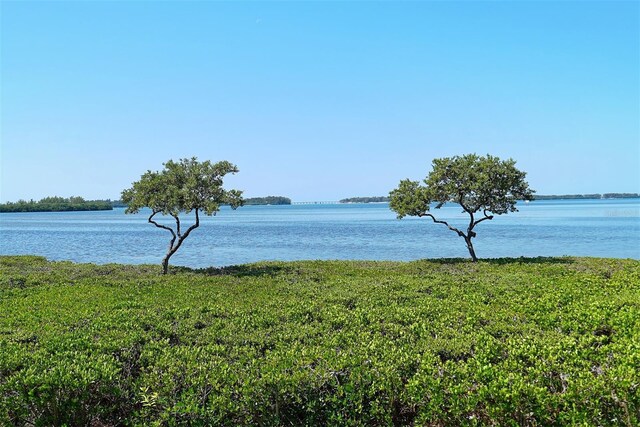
165,262
472,252
173,246
172,250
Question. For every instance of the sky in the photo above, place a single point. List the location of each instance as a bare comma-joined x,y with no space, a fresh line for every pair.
316,100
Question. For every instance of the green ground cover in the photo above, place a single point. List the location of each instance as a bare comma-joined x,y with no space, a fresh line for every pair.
549,341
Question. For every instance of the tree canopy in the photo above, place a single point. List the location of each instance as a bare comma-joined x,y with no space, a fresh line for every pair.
483,186
182,187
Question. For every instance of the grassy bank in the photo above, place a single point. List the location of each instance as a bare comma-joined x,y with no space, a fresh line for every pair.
553,341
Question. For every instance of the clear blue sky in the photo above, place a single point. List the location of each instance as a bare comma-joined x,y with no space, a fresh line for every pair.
317,100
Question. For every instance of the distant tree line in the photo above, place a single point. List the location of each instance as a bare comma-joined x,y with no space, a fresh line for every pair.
589,196
536,197
269,200
378,199
118,204
57,204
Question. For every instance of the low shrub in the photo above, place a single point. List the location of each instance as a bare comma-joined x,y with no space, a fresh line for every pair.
544,341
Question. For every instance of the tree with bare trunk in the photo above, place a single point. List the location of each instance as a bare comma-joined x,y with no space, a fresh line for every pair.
182,187
482,186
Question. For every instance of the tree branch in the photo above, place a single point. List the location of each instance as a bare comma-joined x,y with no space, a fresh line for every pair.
193,227
186,234
177,223
438,221
486,217
160,225
173,234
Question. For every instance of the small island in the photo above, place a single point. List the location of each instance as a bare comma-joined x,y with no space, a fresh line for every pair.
56,204
269,200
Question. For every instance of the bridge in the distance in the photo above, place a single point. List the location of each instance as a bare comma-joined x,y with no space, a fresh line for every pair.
315,203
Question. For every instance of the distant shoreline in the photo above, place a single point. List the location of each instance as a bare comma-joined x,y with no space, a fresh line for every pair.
605,196
56,204
64,209
595,196
102,205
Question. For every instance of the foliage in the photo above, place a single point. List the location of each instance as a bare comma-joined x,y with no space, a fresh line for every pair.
543,341
479,184
269,200
182,187
56,204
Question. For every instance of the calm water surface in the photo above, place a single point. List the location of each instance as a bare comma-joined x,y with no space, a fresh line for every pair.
601,228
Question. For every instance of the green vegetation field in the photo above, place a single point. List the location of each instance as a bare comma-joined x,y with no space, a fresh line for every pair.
549,341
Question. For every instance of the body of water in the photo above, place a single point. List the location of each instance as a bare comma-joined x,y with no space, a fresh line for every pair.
600,228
